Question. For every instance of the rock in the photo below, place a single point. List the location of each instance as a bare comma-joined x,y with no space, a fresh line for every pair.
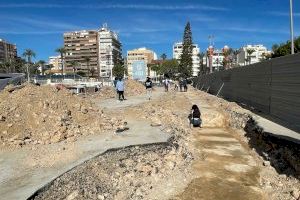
295,193
156,122
9,125
2,118
73,195
84,110
100,197
266,163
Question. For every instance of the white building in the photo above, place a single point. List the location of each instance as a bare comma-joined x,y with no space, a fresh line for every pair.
177,51
216,60
55,61
109,50
258,55
137,62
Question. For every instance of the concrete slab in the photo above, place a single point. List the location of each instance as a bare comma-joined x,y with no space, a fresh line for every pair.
276,130
18,180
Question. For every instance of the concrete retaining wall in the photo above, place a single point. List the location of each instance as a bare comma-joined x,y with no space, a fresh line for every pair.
272,87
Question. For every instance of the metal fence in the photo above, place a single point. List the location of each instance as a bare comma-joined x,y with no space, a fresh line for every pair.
271,87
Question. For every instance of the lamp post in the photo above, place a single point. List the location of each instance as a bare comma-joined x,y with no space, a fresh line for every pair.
292,27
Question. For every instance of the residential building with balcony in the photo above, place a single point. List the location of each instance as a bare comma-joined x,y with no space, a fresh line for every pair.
259,54
8,51
109,51
177,52
55,61
81,45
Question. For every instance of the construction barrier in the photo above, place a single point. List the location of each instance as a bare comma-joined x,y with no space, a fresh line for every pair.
271,87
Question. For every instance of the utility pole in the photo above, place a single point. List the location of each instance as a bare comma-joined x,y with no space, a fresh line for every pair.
292,27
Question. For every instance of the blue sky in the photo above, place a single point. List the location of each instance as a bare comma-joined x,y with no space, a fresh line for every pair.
155,24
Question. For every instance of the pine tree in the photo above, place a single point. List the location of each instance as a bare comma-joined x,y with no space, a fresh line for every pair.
186,61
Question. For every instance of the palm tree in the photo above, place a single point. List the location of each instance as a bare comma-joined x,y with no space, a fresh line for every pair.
249,52
42,63
74,65
163,56
92,70
87,60
235,54
28,53
62,51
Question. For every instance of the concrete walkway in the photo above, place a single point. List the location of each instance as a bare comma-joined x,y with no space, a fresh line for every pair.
24,171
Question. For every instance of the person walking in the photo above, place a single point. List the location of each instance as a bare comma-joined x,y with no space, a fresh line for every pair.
180,84
148,85
120,86
184,82
166,83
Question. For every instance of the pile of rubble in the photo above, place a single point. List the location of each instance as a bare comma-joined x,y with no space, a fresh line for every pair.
131,173
132,88
44,115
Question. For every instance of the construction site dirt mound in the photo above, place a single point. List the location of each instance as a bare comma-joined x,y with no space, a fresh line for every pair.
44,115
132,88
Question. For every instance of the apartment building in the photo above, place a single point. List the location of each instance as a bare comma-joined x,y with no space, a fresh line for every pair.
101,47
8,51
81,45
109,51
177,52
137,61
259,53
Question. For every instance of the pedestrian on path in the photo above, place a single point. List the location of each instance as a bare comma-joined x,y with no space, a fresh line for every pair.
120,89
180,84
148,85
166,84
195,116
184,82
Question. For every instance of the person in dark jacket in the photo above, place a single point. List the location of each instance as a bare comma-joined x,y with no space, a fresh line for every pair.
195,116
148,85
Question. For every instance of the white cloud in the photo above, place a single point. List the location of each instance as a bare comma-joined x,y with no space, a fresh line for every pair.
118,6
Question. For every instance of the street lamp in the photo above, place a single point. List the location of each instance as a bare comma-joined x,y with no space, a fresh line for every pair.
292,27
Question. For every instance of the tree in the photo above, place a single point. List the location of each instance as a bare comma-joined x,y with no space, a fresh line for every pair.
202,69
235,54
169,68
87,61
119,71
62,51
285,48
163,56
249,52
41,64
28,53
186,61
92,71
74,65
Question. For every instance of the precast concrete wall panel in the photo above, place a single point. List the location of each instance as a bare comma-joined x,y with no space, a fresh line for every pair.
285,98
272,87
